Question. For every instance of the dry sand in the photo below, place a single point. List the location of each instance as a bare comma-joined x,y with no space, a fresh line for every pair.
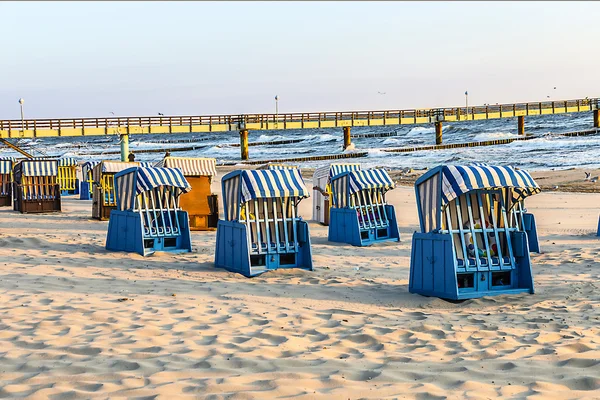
347,330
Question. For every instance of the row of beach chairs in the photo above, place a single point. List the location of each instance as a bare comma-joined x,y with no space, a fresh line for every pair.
475,234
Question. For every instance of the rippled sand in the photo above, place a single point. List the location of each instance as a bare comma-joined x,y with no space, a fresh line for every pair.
77,321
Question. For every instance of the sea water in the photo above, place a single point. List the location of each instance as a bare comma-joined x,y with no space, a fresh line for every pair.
545,151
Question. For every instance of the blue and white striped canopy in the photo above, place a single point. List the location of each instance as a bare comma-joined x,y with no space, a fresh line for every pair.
347,183
149,178
272,183
137,180
442,184
5,166
242,186
39,167
67,162
457,180
369,179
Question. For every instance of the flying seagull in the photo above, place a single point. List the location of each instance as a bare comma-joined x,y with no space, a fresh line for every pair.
381,92
587,176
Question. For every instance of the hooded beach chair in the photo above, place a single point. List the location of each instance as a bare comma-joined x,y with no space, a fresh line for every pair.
148,217
105,197
85,179
468,247
262,230
201,204
66,176
322,189
35,188
6,182
359,213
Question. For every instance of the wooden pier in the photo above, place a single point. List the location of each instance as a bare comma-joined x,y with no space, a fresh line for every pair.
125,126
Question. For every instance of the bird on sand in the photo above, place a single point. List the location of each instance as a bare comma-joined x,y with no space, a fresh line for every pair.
587,176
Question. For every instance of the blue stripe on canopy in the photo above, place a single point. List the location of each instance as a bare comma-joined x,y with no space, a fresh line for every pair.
67,162
369,179
272,183
149,178
5,166
457,180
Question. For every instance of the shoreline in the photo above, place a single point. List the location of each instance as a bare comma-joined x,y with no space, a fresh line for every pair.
569,180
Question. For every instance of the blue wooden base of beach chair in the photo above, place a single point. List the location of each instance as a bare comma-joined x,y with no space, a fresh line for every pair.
77,185
433,271
232,252
126,233
84,191
345,228
532,235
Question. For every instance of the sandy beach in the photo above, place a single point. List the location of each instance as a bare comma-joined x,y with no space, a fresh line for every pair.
78,322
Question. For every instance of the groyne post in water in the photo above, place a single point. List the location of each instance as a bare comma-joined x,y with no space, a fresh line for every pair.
521,125
596,119
125,147
438,132
244,143
347,139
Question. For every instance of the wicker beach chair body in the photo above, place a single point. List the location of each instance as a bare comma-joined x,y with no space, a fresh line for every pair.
35,187
262,230
359,213
469,245
148,217
104,193
322,188
6,182
201,204
67,175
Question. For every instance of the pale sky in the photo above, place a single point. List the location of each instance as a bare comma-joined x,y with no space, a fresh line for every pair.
87,59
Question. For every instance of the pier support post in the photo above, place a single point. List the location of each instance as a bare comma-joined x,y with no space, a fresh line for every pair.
596,118
244,143
521,125
347,139
438,133
125,147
